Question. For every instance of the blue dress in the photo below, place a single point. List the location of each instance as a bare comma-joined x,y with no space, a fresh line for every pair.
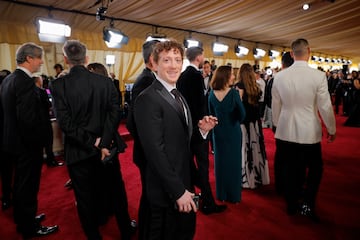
227,138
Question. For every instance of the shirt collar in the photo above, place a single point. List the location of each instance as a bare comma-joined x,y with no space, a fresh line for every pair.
25,70
168,86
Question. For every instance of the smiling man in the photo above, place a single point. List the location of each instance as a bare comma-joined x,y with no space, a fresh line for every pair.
164,126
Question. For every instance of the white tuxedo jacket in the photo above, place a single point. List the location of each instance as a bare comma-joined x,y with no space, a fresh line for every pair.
299,94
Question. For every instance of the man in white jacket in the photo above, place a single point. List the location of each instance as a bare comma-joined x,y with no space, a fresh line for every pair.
299,94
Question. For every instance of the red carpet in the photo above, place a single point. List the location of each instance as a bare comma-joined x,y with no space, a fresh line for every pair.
260,215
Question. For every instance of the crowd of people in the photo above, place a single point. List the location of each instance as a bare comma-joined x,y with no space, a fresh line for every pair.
176,119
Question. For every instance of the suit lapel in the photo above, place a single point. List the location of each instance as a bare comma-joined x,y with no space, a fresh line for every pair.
167,96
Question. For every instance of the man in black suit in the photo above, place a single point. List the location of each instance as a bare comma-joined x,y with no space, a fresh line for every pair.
22,138
88,112
191,85
144,80
164,126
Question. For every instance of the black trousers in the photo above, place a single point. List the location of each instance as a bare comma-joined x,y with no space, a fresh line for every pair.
6,173
303,168
26,187
117,198
200,170
100,192
164,223
139,160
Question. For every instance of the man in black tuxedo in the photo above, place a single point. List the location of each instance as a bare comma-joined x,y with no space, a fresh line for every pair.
144,80
191,85
164,126
22,138
88,112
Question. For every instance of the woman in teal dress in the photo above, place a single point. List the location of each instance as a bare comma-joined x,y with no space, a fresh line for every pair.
226,105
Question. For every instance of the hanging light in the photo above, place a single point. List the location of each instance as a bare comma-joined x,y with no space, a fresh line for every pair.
240,50
258,53
155,35
219,48
273,54
50,30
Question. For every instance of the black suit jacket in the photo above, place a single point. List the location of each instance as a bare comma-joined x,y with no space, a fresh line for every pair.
191,85
86,107
22,113
165,137
144,80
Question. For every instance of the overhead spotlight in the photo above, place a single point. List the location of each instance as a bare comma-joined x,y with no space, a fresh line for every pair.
50,30
306,6
321,59
155,35
273,54
100,14
258,53
334,60
191,43
328,60
349,62
241,51
114,38
219,48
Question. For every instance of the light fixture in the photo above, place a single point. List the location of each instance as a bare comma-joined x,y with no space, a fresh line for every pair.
190,42
219,48
315,58
273,54
100,14
114,38
50,30
328,60
240,50
155,35
258,53
306,6
349,62
321,59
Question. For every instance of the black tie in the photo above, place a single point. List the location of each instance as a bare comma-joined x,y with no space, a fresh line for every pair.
176,93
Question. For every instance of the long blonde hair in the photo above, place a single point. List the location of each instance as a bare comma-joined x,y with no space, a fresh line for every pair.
246,75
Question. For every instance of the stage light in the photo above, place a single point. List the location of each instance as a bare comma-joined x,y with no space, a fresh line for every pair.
50,30
258,53
273,54
191,43
114,38
156,36
219,49
306,6
100,14
241,51
321,59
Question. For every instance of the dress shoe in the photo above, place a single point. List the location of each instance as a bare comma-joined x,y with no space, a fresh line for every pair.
310,213
54,163
133,226
42,231
39,218
68,184
213,209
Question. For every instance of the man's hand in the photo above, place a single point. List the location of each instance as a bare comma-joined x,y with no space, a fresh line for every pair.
207,123
186,203
104,153
331,137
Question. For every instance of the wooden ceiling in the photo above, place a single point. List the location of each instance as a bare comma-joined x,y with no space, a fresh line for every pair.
331,27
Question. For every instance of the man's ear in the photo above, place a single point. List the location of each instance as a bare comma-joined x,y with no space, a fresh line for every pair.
86,60
66,60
